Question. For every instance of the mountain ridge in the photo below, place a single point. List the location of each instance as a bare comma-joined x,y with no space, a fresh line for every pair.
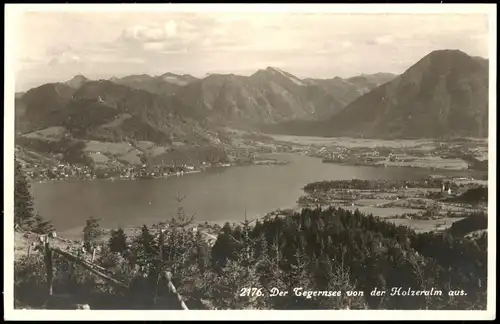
443,94
373,105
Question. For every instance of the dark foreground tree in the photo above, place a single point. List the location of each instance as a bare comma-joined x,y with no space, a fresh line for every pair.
118,241
145,246
23,202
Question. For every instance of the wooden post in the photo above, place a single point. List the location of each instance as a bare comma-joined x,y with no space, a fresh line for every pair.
174,291
93,255
90,267
48,265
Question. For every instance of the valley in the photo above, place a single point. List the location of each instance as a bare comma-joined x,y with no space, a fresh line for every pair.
290,163
173,127
174,120
181,131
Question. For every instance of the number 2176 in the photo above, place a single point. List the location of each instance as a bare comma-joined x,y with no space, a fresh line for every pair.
250,292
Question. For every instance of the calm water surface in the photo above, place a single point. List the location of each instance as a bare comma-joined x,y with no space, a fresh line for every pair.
215,195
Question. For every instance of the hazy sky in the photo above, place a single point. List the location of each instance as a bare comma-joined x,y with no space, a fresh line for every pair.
55,46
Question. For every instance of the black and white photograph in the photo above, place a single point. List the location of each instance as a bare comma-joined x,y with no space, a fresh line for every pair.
187,157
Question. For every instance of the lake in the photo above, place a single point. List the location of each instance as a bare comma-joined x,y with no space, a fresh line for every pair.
216,195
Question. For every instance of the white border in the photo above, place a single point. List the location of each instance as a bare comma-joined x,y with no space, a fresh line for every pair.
9,90
260,7
492,162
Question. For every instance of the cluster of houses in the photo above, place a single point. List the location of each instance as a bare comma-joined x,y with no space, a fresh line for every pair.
58,172
327,155
343,154
158,171
63,171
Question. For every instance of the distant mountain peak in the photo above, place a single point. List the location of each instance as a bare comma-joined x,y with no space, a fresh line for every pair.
79,77
447,52
270,68
447,56
279,72
445,93
77,81
170,74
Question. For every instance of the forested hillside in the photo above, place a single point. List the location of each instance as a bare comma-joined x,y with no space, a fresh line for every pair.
331,251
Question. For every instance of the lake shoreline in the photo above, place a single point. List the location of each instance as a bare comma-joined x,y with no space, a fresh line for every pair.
217,196
266,162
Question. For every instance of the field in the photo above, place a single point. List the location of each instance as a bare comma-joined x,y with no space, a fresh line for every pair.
108,147
50,134
103,152
423,209
354,142
151,149
427,162
450,154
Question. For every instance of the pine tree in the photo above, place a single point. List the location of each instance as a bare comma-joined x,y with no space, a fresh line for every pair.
145,245
181,220
339,279
276,277
92,232
23,201
299,277
224,248
247,252
180,243
261,247
118,241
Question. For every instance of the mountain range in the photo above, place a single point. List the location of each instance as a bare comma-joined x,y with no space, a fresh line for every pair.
269,95
445,93
165,84
181,108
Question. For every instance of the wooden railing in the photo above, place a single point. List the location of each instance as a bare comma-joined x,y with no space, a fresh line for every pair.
97,270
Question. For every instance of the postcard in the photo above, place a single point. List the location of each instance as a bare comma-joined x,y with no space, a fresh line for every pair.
250,161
